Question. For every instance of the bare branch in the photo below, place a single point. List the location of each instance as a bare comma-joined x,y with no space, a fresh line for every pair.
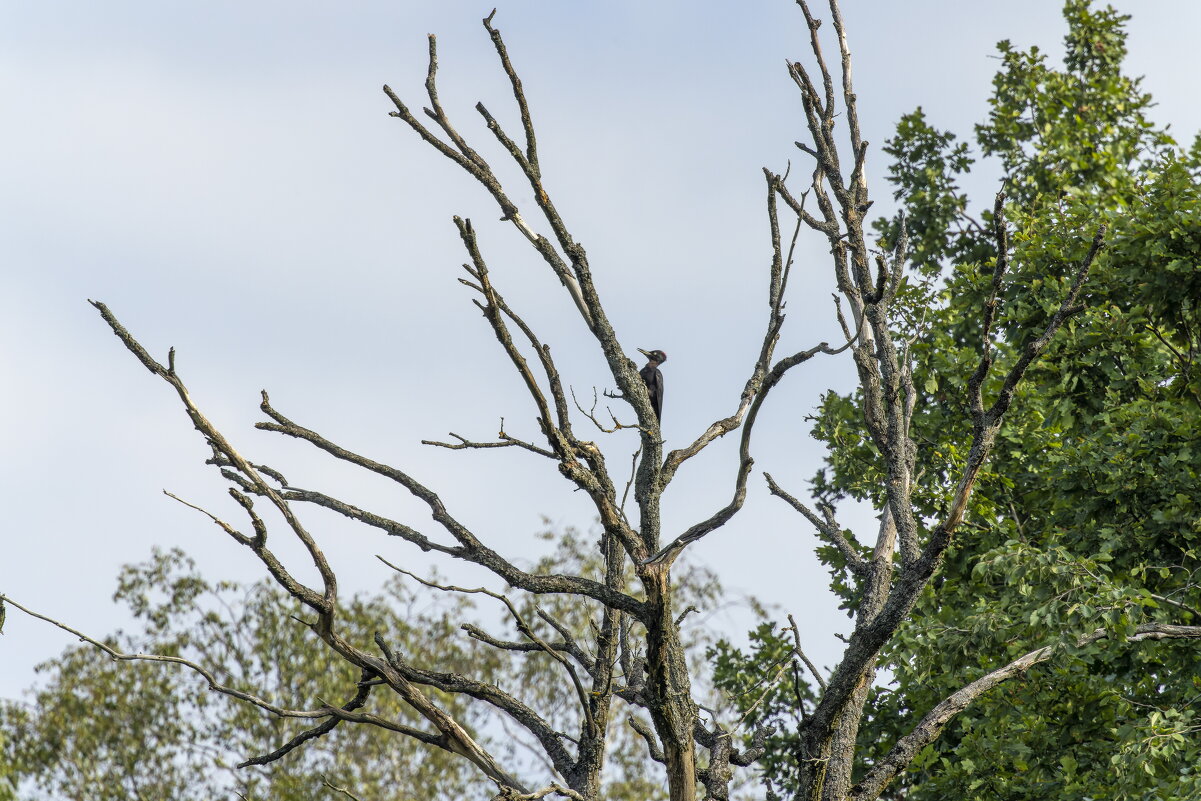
848,92
531,142
669,553
476,633
208,676
323,602
226,527
590,413
796,638
798,206
437,113
826,526
815,45
323,728
591,475
390,527
482,172
551,740
776,289
548,367
569,642
509,794
629,482
506,441
688,610
443,741
653,748
492,311
755,392
325,782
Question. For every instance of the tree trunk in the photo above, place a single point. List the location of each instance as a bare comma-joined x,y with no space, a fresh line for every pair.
827,761
672,709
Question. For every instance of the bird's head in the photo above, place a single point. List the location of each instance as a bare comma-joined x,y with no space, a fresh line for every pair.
656,356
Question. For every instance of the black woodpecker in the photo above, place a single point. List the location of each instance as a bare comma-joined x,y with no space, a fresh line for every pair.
654,379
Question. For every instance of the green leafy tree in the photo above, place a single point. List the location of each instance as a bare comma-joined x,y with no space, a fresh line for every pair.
8,789
1087,519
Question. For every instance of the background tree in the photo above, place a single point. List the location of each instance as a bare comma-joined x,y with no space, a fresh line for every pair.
100,729
88,729
1087,519
8,789
637,656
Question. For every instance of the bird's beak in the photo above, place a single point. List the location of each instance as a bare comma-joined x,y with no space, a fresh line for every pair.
644,353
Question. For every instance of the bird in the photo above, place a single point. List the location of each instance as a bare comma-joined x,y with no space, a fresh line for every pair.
654,379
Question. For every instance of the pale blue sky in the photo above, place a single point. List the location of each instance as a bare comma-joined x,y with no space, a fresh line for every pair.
225,176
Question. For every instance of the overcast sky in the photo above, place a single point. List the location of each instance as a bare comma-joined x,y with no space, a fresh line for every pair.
225,176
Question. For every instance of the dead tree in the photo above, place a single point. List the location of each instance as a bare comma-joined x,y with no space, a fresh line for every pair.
636,657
